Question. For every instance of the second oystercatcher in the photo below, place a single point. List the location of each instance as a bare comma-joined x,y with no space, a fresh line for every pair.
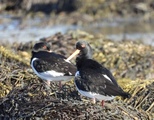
50,66
92,79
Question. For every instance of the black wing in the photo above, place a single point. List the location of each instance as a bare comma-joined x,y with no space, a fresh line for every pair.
92,78
51,61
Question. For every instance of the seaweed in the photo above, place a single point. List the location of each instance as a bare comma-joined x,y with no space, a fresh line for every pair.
24,96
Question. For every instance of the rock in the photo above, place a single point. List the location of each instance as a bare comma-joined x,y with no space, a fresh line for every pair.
141,8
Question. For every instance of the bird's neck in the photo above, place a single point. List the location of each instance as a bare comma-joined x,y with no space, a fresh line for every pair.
81,60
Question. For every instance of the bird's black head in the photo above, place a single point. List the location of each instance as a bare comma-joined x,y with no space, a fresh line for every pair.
85,49
42,46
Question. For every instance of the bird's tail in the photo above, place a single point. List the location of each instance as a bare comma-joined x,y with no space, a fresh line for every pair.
125,95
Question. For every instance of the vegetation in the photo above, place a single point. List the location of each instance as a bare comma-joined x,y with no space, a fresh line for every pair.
24,95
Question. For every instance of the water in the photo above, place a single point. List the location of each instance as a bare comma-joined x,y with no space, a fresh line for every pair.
15,29
125,29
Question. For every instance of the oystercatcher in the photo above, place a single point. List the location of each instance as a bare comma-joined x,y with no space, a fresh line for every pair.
42,46
50,66
92,79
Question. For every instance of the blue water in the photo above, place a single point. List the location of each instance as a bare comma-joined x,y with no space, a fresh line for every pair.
15,29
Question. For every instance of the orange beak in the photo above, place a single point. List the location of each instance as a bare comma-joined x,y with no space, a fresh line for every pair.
73,55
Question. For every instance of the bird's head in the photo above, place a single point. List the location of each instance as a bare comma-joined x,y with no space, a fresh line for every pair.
84,48
42,46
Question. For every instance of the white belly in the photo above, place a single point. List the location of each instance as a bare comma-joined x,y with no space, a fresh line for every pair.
95,95
51,75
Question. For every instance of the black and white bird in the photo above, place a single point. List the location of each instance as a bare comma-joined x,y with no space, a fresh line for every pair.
42,46
92,79
50,66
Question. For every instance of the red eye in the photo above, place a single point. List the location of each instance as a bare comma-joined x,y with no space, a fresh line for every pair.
44,47
83,45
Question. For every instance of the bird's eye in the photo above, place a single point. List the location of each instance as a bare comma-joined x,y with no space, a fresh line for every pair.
44,47
83,45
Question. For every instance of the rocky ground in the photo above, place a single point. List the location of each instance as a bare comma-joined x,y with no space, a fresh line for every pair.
24,95
89,11
121,7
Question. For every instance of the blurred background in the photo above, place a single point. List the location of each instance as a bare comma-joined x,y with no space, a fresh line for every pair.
118,20
116,30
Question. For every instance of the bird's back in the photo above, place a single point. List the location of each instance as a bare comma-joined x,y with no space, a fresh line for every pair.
96,78
46,61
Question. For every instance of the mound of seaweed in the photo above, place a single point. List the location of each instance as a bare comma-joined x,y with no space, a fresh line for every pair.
97,8
132,59
24,96
32,102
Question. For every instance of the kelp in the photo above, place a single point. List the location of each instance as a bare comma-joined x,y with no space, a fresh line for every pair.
10,54
25,96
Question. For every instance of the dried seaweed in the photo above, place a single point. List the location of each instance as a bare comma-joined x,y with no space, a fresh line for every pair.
30,102
24,96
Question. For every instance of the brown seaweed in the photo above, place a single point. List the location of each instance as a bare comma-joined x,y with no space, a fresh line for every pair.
24,96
